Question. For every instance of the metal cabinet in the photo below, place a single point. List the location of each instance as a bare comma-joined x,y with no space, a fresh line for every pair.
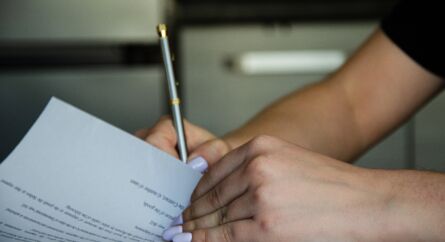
392,153
129,98
103,21
80,51
430,136
222,89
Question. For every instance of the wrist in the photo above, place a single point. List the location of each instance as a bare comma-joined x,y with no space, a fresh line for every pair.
370,207
411,212
378,213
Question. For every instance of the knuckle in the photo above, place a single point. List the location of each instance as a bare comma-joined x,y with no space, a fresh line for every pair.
261,196
157,140
153,132
261,141
267,223
220,146
258,168
163,123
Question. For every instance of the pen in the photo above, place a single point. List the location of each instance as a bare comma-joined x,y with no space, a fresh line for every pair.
174,99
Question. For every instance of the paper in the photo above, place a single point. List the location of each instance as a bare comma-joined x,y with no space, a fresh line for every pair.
76,178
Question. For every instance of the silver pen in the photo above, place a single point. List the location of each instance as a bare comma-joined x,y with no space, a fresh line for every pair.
174,99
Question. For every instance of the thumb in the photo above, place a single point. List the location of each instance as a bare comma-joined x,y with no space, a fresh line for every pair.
198,164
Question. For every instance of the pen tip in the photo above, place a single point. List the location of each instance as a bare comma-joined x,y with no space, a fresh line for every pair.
162,30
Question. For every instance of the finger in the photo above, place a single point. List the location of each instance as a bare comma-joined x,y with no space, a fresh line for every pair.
171,232
241,208
163,126
219,196
198,164
163,142
212,150
230,162
218,172
196,136
208,221
163,135
239,231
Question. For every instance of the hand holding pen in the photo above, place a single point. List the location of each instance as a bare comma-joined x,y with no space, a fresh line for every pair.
202,145
205,148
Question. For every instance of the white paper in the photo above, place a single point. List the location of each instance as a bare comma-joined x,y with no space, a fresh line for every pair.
76,178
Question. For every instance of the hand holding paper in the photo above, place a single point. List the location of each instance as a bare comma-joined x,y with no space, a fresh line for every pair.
76,178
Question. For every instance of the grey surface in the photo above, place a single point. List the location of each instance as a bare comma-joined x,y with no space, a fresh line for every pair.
220,99
80,20
430,136
391,153
129,98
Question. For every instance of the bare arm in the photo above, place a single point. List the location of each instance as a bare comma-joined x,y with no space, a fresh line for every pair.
272,190
342,116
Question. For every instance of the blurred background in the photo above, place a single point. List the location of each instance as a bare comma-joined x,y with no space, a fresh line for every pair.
232,57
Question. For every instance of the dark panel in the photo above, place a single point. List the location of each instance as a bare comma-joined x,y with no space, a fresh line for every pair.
38,56
211,12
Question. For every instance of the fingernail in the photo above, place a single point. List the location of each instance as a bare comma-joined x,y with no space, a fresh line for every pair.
178,220
171,232
183,237
198,164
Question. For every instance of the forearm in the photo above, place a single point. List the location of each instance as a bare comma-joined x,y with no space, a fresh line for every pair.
316,117
373,93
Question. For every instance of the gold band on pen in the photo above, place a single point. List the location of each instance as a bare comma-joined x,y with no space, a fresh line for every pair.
175,101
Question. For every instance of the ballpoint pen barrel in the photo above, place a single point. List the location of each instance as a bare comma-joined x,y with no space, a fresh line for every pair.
168,68
179,126
175,101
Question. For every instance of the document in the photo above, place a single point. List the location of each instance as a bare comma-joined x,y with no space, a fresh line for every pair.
74,177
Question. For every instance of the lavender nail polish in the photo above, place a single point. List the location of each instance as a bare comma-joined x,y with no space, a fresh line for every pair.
171,232
183,237
198,164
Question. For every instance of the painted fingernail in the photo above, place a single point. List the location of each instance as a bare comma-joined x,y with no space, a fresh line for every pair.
178,220
198,164
171,232
183,237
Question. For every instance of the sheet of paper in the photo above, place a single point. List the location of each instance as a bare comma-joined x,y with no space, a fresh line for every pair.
76,178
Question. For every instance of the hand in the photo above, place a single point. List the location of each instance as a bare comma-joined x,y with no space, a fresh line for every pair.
200,142
271,190
203,147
